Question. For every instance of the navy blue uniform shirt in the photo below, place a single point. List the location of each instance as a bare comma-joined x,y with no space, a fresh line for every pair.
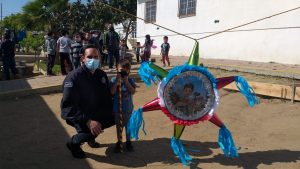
86,97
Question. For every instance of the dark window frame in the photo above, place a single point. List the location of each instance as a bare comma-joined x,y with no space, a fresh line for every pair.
151,16
186,13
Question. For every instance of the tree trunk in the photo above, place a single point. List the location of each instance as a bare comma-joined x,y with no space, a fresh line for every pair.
128,29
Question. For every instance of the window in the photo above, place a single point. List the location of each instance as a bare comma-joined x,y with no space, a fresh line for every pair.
187,8
150,12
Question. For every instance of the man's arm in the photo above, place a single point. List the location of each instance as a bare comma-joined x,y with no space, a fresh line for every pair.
70,103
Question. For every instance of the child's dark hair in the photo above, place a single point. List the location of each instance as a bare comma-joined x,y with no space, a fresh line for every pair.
138,43
148,38
64,32
77,34
189,85
50,33
166,37
124,63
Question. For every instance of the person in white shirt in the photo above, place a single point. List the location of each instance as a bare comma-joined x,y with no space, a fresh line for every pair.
64,47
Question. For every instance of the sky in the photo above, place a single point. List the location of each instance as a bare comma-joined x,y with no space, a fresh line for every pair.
13,6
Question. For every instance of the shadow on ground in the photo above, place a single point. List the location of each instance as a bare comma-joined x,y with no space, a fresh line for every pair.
159,151
32,137
251,160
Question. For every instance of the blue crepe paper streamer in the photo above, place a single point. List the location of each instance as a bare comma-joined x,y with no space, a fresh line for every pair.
180,151
246,90
135,122
226,143
179,69
148,74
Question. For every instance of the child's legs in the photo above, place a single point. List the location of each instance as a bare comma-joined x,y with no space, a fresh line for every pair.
163,59
126,118
138,58
167,58
146,56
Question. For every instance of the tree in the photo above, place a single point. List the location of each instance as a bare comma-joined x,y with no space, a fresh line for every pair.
13,21
77,16
33,42
113,16
46,14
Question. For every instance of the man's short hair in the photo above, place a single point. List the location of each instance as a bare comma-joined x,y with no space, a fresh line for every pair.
165,37
88,46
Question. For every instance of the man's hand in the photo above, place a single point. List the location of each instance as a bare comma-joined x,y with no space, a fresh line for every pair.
95,127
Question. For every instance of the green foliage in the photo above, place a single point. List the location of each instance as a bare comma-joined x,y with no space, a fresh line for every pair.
41,15
46,14
14,21
33,43
43,66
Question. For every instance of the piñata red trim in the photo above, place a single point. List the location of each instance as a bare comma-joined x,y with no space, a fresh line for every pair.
184,122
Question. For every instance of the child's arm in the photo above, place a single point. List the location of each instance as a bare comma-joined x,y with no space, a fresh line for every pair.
129,86
141,46
114,86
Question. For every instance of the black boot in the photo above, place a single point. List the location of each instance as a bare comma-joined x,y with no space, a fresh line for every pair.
76,151
93,144
129,146
118,147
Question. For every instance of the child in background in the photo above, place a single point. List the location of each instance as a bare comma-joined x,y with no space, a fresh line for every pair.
123,49
165,47
76,47
147,48
127,90
137,52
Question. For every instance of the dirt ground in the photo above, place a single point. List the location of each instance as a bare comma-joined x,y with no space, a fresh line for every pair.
33,136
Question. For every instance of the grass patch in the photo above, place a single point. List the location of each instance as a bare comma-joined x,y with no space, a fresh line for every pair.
55,69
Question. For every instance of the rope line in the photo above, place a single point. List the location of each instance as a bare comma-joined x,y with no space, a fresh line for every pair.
226,30
268,17
232,31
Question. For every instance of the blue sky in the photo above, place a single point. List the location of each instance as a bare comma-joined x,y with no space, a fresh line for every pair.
13,6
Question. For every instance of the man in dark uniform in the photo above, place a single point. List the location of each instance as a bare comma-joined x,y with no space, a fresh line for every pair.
112,41
87,102
7,52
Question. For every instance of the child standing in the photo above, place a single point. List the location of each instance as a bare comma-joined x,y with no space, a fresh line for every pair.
147,48
138,52
165,47
123,49
76,47
122,89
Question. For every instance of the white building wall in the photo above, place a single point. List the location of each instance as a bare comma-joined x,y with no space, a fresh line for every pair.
276,45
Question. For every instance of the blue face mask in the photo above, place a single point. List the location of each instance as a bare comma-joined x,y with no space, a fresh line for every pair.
92,64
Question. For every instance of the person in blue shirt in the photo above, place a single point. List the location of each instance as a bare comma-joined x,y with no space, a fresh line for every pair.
165,48
122,82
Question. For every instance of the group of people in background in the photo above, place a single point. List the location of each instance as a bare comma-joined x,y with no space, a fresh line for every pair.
145,55
70,50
